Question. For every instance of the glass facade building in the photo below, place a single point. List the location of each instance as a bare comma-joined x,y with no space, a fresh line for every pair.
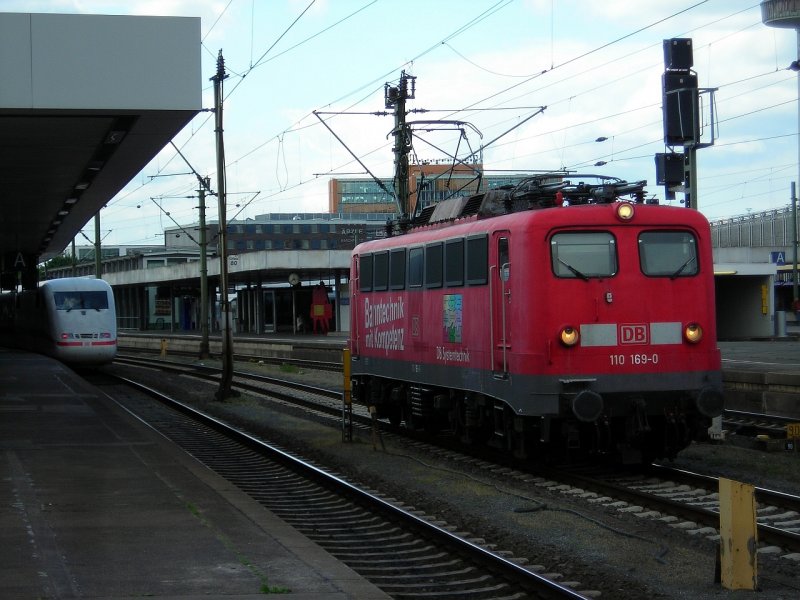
287,231
428,184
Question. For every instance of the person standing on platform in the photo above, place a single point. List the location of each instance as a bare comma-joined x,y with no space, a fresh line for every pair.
320,308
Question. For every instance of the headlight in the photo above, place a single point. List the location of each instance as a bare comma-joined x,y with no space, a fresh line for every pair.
693,333
625,211
569,336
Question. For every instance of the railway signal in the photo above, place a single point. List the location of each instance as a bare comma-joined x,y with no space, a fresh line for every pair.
682,116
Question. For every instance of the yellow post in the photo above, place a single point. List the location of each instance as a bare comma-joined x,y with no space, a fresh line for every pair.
792,436
164,345
347,399
738,535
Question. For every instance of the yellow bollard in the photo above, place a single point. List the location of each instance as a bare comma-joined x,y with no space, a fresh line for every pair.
738,535
346,372
164,344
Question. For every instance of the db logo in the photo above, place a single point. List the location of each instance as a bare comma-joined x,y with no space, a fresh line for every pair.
633,334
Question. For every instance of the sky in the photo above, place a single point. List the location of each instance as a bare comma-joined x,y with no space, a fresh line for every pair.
595,66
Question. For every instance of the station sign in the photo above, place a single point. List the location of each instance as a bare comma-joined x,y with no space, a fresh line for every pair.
778,258
16,267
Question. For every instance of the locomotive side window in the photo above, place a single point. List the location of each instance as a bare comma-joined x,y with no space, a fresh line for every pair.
416,267
668,253
397,269
454,262
380,280
365,273
477,260
583,254
433,265
503,258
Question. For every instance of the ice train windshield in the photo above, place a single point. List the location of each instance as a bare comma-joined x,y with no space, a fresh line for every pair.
81,300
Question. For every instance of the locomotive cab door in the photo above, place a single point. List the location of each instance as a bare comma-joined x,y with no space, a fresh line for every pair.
500,302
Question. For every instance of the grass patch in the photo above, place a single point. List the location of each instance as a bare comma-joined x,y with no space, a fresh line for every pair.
193,509
274,589
287,368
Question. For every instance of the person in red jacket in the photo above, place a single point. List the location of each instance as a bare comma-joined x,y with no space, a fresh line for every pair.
320,308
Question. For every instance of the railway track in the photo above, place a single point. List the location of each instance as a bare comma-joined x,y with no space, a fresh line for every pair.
744,424
406,554
321,399
754,424
685,500
678,498
326,357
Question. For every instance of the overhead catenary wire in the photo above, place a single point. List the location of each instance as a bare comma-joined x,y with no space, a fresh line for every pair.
279,139
498,6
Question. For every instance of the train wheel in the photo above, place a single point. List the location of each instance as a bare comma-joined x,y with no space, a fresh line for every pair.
676,437
395,415
395,402
458,422
375,394
503,422
470,423
432,425
519,437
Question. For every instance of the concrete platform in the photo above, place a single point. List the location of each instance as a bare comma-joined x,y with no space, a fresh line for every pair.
95,504
326,348
762,376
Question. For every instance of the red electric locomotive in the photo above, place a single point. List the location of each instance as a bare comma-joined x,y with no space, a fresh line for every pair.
554,318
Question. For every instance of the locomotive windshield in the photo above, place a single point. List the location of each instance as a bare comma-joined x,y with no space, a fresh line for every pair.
583,254
80,300
668,254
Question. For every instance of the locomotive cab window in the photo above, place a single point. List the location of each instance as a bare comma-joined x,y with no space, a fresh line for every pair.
365,273
583,254
503,258
668,253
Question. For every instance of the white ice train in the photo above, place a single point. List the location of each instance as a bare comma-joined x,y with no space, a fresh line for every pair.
73,320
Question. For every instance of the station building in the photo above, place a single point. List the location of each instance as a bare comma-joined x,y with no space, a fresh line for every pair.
285,231
754,264
428,183
752,257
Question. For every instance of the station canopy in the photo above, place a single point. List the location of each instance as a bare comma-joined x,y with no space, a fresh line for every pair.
87,101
